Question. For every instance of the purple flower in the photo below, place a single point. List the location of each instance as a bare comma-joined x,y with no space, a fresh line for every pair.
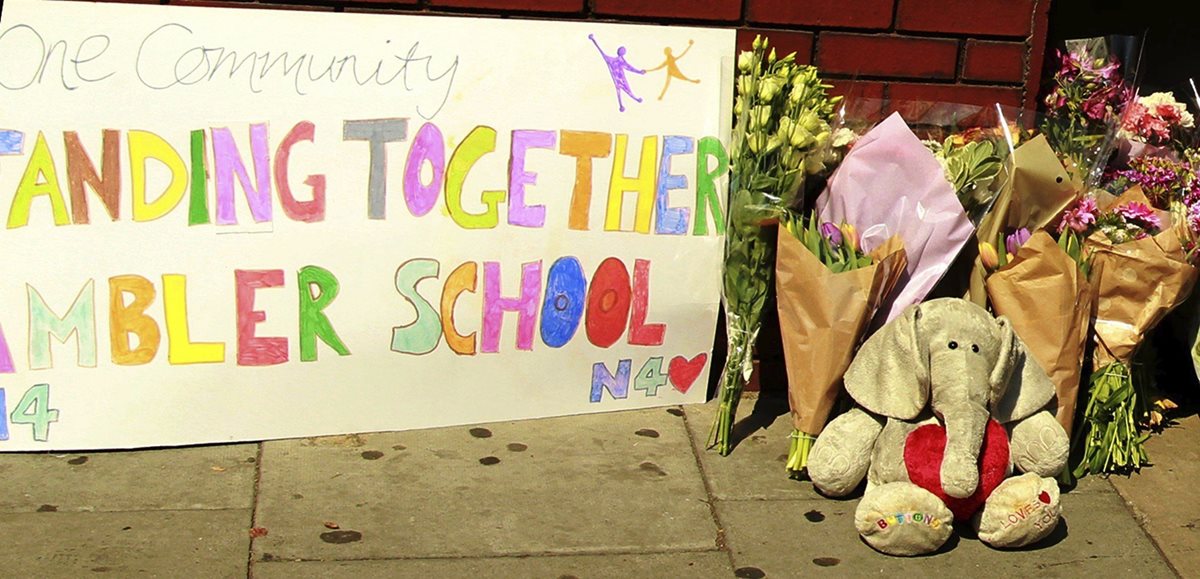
832,233
1139,214
1162,179
1018,238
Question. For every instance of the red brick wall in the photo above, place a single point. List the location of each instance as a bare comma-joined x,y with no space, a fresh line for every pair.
970,51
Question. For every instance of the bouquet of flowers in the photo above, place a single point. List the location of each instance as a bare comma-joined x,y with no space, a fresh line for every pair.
1085,108
1038,192
1168,184
781,134
1041,285
1155,125
828,291
889,185
1166,176
1141,273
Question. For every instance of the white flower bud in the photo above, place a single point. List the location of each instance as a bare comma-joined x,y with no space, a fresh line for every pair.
843,137
755,142
810,121
745,62
743,85
774,142
801,137
769,88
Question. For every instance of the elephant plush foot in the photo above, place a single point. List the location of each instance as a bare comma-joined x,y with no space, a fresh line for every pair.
1021,511
901,518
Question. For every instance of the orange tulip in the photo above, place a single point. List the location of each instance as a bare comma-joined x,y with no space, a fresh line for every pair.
987,255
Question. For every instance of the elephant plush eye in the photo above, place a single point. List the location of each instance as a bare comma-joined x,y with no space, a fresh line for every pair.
975,348
953,345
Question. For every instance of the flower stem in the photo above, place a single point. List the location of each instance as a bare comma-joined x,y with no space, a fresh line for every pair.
801,445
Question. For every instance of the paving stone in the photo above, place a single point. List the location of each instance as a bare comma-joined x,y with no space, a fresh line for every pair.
208,477
1164,495
208,543
1093,484
788,538
756,467
615,482
675,565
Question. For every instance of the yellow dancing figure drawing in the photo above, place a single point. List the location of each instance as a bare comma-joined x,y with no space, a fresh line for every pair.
672,68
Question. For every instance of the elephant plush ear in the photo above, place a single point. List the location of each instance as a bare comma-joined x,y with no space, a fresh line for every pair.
890,374
1019,385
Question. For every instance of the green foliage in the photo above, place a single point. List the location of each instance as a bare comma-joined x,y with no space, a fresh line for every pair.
1112,443
972,168
839,257
781,134
1071,243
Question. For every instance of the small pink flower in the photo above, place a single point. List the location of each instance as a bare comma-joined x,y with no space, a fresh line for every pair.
1156,130
1193,219
1096,106
1081,216
1135,115
1139,214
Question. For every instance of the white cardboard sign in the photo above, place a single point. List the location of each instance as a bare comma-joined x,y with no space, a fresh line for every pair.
227,225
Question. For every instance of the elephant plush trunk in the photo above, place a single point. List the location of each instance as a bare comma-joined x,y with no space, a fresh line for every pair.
965,424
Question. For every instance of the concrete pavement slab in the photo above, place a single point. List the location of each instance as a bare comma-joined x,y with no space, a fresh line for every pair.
616,483
675,565
802,537
208,543
1092,484
1164,495
208,477
755,468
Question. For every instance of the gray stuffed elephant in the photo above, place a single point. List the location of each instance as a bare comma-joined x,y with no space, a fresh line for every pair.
950,405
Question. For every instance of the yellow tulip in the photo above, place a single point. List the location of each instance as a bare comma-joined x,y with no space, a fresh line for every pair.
849,236
987,255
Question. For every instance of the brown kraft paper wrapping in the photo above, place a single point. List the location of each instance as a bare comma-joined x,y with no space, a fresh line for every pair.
822,316
1049,302
1040,189
1137,284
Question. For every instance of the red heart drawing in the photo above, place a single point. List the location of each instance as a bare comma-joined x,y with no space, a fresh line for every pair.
683,372
923,452
1044,497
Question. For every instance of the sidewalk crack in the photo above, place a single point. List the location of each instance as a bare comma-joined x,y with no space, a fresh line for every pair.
258,461
711,499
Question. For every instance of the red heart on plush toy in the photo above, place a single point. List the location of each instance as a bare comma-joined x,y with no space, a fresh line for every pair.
923,451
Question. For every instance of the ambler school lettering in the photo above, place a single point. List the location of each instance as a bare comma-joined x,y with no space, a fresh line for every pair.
610,305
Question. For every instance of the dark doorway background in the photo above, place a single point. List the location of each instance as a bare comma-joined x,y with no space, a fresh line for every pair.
1171,54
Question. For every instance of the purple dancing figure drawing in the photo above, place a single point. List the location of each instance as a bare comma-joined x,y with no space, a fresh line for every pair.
617,67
